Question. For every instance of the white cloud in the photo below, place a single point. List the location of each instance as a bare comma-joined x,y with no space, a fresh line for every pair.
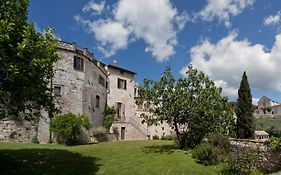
111,34
225,61
95,7
156,22
273,19
223,10
255,101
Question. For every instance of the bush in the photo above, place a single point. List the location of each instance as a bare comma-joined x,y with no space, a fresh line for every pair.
220,141
207,154
168,137
115,130
274,132
67,127
274,143
155,137
108,117
98,132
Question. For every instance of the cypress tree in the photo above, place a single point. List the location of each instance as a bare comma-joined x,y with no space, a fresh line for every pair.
245,125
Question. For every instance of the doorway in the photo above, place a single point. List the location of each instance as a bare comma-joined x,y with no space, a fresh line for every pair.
123,133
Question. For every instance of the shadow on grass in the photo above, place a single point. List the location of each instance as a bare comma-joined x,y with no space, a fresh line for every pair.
46,161
160,149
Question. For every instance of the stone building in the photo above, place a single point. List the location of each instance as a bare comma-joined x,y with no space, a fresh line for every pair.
159,129
83,85
121,96
266,106
79,85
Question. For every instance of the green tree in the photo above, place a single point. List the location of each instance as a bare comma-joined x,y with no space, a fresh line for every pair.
245,124
193,105
26,64
109,113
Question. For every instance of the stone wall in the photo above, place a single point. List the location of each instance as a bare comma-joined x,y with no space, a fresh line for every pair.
93,88
265,158
21,132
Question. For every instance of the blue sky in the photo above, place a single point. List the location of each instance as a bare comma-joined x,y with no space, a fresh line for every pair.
222,38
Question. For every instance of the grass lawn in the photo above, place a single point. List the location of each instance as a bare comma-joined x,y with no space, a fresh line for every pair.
120,158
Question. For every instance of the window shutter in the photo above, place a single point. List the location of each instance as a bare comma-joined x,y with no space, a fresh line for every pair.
123,110
75,62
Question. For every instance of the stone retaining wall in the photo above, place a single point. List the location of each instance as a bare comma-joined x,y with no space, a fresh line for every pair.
16,132
265,159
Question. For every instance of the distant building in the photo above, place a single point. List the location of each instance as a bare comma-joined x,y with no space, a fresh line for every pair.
266,106
160,129
261,135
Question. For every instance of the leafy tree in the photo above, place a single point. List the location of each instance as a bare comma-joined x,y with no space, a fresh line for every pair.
266,109
26,64
109,113
67,127
193,105
245,125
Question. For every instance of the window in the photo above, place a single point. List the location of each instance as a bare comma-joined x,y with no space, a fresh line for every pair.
119,110
57,90
121,84
78,63
101,80
135,91
97,101
106,85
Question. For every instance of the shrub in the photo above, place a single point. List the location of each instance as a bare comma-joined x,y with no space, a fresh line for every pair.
13,134
108,117
220,141
207,154
274,143
115,130
273,132
98,132
168,137
155,137
67,127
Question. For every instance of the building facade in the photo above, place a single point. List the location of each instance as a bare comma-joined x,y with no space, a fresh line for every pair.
83,85
267,107
121,96
79,84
